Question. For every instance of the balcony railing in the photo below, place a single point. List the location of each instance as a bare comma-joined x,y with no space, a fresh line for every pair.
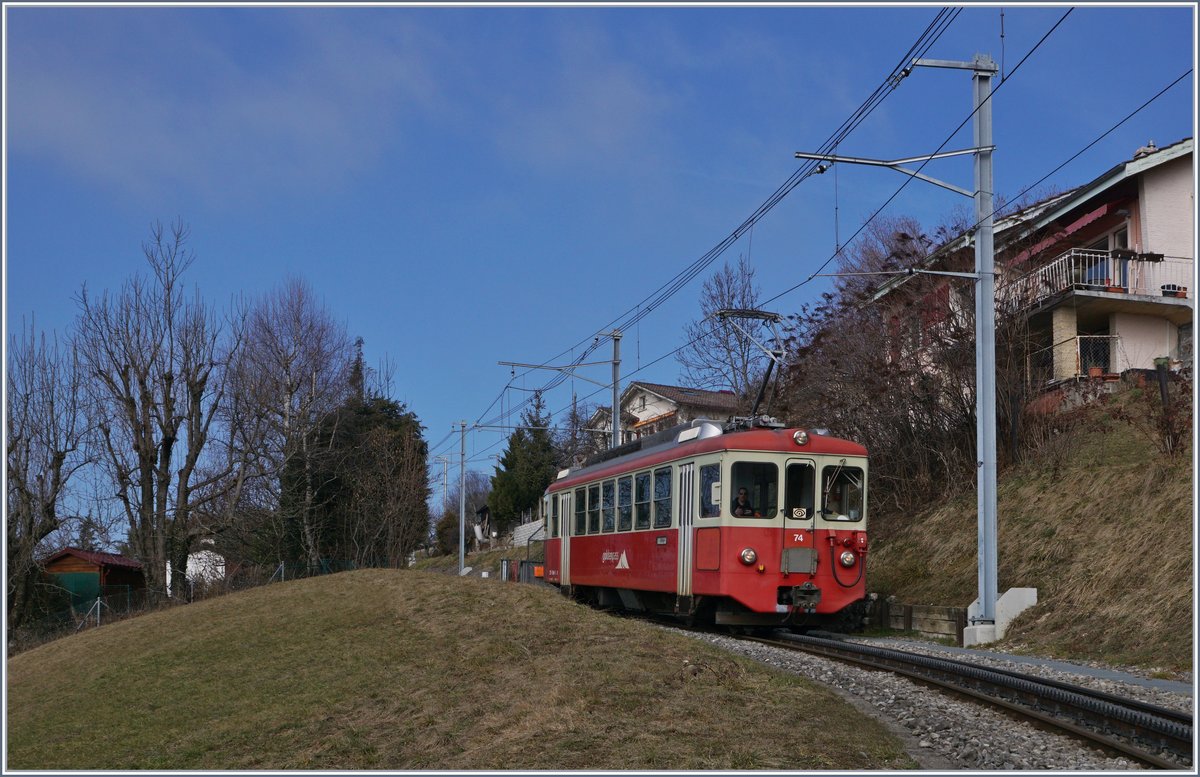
1074,357
1088,270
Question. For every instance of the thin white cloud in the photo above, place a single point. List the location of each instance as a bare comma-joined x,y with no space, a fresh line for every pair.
319,104
584,107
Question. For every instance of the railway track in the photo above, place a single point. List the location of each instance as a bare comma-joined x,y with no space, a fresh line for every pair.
1156,736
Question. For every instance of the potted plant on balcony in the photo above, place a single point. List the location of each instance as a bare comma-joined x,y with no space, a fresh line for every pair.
1113,287
1169,289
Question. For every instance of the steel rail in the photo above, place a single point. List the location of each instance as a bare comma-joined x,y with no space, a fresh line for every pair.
1124,725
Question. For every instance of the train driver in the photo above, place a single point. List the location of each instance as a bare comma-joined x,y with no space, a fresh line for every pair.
741,504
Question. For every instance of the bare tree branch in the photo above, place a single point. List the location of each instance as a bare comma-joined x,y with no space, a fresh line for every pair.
46,435
717,355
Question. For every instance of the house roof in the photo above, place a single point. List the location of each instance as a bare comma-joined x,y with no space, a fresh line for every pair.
692,397
96,557
1021,223
602,414
1054,207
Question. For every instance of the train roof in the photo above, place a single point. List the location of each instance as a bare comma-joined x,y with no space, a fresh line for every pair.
699,437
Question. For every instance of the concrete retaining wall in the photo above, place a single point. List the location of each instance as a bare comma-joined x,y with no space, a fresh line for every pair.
526,532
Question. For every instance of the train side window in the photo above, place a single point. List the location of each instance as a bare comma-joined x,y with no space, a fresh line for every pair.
710,491
662,498
625,503
553,516
760,481
609,505
843,491
641,502
580,515
593,508
800,499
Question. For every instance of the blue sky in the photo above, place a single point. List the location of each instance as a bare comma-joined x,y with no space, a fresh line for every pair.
470,185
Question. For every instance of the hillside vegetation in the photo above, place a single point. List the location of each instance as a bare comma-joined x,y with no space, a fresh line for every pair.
386,669
1098,521
1096,518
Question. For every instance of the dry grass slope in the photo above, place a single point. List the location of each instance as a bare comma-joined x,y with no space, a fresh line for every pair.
410,670
1104,533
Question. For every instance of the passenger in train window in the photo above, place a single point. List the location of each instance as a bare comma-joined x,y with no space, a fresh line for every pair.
741,503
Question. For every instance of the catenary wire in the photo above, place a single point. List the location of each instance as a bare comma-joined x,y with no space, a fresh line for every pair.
647,305
921,167
1025,190
1028,188
634,315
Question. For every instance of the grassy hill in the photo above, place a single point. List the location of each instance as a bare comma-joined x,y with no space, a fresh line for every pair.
1098,521
383,669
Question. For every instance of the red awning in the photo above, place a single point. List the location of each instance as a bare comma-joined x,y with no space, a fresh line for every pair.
1079,223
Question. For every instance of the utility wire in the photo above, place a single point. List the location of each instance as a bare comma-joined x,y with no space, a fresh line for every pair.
925,41
1099,138
1067,161
942,20
921,167
1028,188
656,298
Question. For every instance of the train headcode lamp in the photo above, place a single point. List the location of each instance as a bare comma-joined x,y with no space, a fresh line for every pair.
801,437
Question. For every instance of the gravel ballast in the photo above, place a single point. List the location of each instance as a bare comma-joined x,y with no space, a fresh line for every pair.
943,732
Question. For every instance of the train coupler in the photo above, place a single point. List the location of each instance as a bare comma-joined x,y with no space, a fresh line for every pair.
802,597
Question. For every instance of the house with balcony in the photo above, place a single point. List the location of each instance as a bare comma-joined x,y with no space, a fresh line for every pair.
1103,275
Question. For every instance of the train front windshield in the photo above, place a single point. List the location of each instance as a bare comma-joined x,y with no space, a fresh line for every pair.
755,489
842,492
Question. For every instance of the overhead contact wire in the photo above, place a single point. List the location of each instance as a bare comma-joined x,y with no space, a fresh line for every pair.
925,41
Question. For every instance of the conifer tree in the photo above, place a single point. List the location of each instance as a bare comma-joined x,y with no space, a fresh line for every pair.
526,468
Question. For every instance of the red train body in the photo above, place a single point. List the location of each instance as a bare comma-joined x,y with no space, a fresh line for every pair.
654,528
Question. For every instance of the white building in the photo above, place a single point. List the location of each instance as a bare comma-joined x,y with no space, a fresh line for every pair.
204,567
647,408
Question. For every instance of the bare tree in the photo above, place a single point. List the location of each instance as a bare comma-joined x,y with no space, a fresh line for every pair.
717,355
46,429
575,442
897,377
293,374
888,244
479,487
154,357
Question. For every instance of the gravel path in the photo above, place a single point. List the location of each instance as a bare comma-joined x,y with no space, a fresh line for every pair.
942,732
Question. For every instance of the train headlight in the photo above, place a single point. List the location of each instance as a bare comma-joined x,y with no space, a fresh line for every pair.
801,437
847,558
748,556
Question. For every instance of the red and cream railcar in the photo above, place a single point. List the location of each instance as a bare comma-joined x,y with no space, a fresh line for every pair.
655,529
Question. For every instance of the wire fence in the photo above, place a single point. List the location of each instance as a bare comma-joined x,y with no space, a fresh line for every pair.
121,602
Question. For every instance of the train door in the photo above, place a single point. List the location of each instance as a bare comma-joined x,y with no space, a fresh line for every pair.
565,513
687,516
799,509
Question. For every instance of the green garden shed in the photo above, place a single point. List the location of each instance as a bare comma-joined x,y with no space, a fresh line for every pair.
88,574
